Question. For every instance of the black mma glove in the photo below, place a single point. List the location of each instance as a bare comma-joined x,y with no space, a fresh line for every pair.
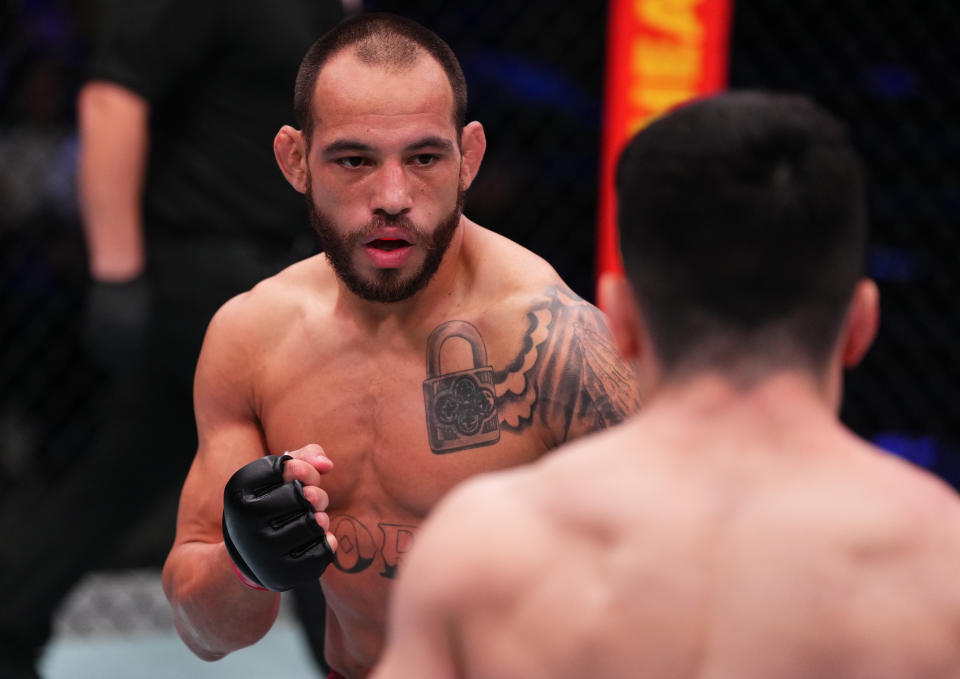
269,527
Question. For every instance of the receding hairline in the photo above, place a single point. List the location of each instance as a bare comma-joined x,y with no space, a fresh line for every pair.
348,55
387,49
384,39
355,51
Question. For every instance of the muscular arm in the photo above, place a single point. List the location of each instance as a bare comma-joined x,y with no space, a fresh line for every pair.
114,140
213,611
573,380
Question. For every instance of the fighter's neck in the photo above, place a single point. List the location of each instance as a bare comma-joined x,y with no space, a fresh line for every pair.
446,285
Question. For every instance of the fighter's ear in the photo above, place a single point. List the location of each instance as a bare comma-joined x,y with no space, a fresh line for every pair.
291,154
473,144
615,297
863,321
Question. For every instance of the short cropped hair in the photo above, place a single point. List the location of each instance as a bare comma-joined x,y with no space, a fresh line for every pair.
379,39
743,229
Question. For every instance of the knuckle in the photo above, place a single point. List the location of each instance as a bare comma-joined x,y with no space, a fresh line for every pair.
312,449
295,470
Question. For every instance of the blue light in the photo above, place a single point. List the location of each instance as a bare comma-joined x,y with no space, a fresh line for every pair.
921,450
530,81
892,264
890,82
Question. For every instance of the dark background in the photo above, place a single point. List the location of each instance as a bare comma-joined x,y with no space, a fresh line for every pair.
535,74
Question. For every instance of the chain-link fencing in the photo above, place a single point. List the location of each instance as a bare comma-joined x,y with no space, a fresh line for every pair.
535,73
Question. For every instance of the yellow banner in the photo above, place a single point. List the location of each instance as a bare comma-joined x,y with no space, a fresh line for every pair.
660,53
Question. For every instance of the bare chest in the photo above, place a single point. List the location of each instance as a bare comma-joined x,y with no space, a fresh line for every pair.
400,429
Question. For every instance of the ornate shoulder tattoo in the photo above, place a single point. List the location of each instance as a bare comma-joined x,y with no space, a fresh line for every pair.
567,377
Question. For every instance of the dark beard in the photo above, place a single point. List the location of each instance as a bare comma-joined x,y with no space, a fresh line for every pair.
388,286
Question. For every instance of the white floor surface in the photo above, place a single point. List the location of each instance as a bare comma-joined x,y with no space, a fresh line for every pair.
117,626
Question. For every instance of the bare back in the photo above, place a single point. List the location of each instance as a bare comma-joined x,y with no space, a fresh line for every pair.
654,550
505,366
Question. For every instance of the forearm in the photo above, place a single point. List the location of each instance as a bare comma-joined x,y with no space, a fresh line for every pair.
114,140
214,612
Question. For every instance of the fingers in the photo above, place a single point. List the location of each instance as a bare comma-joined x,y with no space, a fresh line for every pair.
332,541
307,465
317,497
323,520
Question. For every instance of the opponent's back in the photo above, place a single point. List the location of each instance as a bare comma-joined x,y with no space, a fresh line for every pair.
654,554
734,529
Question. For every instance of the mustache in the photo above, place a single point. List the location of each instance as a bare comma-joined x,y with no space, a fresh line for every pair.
423,238
380,221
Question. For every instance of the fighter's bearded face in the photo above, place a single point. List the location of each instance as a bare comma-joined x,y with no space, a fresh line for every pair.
385,284
386,173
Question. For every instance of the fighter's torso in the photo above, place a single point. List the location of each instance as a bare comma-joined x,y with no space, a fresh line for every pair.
407,414
400,434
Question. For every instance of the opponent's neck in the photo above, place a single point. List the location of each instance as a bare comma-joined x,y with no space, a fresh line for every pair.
783,399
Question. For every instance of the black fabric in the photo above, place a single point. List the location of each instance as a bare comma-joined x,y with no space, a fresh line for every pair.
219,77
269,528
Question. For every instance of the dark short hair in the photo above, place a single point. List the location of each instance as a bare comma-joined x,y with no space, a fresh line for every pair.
379,39
743,229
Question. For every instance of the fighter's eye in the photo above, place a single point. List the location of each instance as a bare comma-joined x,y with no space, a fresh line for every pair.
351,162
425,159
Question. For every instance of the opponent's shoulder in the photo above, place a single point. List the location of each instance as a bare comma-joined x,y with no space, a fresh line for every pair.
908,490
895,510
923,513
468,546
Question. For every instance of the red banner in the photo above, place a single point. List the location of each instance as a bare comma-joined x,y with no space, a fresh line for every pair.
660,53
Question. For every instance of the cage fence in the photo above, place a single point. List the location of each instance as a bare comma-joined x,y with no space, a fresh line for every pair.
535,72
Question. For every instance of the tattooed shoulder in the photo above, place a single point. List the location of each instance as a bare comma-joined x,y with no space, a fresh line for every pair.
568,374
567,379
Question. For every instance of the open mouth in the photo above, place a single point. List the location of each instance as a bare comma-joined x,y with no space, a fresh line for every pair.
388,244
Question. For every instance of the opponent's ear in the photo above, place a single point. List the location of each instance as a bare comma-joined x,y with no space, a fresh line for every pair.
615,297
473,144
862,322
291,153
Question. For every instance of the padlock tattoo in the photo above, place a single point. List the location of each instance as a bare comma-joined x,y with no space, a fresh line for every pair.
461,405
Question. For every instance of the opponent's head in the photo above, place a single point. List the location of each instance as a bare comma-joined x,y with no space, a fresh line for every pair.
743,229
383,155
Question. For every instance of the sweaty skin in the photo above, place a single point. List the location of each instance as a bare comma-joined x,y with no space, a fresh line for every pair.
742,535
301,364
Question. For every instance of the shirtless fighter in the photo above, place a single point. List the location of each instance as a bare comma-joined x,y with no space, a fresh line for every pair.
734,529
418,350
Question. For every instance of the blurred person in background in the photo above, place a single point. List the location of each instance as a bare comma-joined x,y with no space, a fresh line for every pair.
183,207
